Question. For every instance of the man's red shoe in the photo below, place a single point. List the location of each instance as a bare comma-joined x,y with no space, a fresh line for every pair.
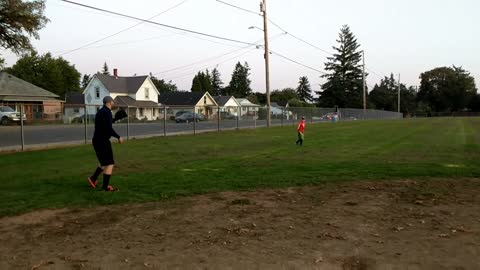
92,183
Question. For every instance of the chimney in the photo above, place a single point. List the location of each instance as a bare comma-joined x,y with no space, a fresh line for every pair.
115,73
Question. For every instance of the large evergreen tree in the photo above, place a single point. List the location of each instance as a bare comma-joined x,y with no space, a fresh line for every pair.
239,85
20,20
53,74
216,82
202,82
344,85
105,70
85,80
304,90
385,96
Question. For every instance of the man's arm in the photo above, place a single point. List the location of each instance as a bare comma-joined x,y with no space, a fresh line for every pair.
113,133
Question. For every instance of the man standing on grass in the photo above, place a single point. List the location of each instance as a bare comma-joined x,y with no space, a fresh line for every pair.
301,132
102,146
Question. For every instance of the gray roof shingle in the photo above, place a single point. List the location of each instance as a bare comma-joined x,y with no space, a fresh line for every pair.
222,100
128,101
75,98
122,85
180,98
13,86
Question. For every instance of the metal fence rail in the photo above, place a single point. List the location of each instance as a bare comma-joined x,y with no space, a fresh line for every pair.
43,125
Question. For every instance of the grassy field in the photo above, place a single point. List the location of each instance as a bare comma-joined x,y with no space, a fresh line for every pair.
162,168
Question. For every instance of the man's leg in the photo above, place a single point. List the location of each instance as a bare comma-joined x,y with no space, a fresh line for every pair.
93,179
107,174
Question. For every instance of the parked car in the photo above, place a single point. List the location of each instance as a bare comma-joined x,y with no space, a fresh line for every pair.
8,115
329,116
227,116
189,117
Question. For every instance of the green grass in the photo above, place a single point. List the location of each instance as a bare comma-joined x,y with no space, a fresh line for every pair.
162,168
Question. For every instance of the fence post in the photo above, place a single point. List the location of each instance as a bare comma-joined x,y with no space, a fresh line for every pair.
85,120
165,120
22,134
218,118
238,117
255,116
128,123
194,121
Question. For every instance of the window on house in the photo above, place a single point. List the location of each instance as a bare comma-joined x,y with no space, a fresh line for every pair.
141,112
205,100
147,93
97,92
154,112
76,110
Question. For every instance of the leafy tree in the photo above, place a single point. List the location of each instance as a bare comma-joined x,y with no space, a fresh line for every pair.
105,70
253,98
20,20
304,90
284,95
447,89
239,85
216,82
53,74
163,86
2,64
344,85
261,98
85,80
202,82
385,96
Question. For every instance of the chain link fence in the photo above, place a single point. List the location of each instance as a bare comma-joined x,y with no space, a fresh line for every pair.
50,125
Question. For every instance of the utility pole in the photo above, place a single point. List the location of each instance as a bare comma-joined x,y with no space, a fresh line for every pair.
398,92
263,9
364,85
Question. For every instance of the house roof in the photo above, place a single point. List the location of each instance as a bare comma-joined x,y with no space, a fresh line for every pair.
246,103
122,85
75,98
223,100
180,98
128,101
27,99
13,86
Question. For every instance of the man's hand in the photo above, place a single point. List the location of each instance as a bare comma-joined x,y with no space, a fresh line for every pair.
120,140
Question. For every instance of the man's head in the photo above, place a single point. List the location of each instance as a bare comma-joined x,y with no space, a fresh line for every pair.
303,118
108,102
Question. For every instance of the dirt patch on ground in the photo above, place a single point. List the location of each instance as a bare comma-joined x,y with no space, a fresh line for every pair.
365,225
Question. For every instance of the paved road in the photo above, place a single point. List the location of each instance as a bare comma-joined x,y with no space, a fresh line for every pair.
45,135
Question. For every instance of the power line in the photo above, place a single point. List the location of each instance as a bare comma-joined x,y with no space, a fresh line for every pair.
296,62
216,57
121,31
237,7
160,24
211,66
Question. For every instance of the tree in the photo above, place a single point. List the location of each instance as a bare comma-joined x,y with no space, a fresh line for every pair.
2,64
216,82
85,80
20,20
202,82
253,98
385,96
260,98
304,90
53,74
239,85
105,70
284,96
447,89
163,86
344,85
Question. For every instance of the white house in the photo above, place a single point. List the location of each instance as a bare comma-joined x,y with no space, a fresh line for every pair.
137,92
201,103
248,108
228,105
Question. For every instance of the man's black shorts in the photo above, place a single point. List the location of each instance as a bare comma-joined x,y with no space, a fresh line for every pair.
103,149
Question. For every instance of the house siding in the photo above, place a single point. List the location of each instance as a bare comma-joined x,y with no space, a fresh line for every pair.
92,102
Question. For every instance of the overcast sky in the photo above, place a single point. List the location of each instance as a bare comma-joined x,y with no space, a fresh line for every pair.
407,37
